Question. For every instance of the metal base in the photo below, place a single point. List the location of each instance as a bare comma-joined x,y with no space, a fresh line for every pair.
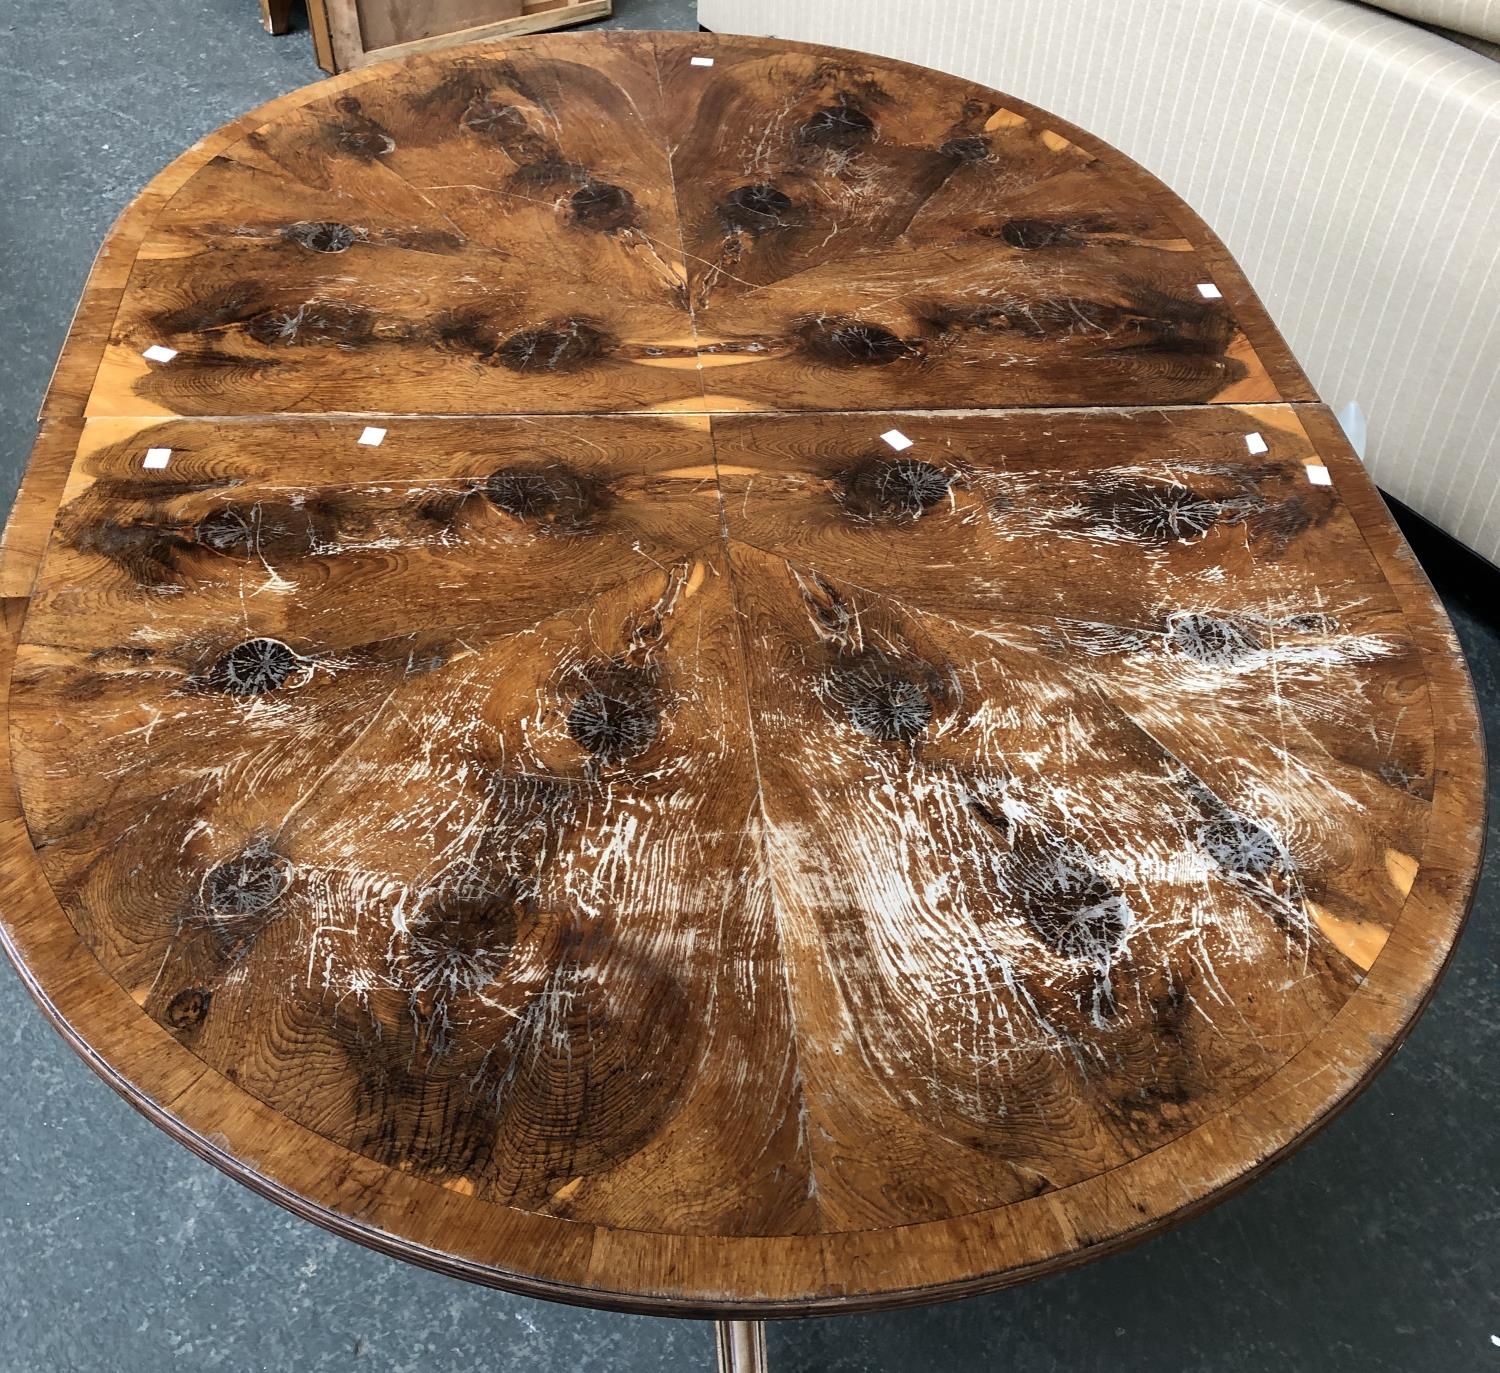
741,1346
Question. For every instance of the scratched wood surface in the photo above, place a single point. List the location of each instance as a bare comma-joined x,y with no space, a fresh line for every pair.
857,739
567,226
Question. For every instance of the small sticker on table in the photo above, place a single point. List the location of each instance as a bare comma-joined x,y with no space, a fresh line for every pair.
701,61
1255,443
1318,475
896,439
157,457
1209,291
372,437
159,352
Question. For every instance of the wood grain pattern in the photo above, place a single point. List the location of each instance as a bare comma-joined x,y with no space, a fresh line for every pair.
854,226
592,227
702,824
488,233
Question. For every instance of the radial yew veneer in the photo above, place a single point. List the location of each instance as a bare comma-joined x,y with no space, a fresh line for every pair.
861,737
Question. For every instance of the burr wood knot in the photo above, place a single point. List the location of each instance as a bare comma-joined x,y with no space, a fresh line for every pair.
894,489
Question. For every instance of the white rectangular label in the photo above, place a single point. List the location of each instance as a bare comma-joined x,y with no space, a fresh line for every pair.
1317,474
159,353
701,61
157,457
1209,291
1255,443
372,437
896,439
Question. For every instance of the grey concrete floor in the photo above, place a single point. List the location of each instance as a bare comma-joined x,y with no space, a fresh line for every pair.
1373,1249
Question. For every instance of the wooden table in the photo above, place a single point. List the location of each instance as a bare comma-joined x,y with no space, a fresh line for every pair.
714,677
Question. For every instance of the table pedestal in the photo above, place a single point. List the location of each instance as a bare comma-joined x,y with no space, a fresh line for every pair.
741,1346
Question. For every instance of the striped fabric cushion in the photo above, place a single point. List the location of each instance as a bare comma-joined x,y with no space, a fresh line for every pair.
1476,18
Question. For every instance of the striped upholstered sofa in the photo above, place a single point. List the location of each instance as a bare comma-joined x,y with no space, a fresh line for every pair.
1349,155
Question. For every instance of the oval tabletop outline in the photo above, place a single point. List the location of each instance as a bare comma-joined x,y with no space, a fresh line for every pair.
871,596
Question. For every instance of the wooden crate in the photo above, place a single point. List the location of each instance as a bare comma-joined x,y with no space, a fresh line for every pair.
354,33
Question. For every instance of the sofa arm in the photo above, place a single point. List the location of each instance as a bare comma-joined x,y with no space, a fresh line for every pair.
1474,18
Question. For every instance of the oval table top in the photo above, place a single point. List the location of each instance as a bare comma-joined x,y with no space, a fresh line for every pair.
711,676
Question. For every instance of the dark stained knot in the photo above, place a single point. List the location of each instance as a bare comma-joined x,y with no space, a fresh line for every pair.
357,133
993,816
188,1009
462,937
1059,316
237,897
1036,233
754,209
1078,914
227,530
829,610
550,494
1243,847
314,322
883,700
1311,622
249,883
599,205
322,236
256,666
614,723
562,345
292,528
843,342
969,148
487,115
841,125
1156,513
366,142
1071,906
892,488
1252,856
1212,640
466,331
